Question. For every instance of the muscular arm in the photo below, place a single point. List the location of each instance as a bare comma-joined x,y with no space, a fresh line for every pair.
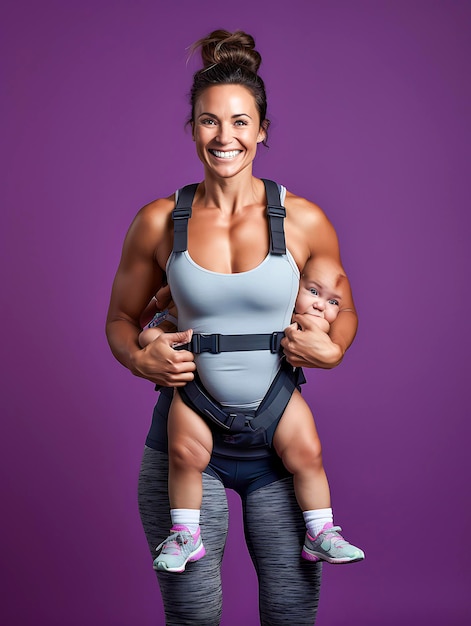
315,242
138,277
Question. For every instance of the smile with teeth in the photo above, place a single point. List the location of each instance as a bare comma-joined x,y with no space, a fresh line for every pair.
229,154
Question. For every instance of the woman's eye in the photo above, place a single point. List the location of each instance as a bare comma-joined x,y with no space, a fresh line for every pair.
208,122
240,123
314,291
334,302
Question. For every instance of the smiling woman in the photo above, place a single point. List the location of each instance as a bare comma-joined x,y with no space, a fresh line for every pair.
230,59
233,269
227,129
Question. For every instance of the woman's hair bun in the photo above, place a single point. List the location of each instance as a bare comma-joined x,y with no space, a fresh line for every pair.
229,59
222,46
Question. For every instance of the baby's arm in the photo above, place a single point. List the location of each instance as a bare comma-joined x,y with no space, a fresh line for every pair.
162,322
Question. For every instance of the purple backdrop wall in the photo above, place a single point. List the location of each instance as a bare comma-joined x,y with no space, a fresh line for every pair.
370,105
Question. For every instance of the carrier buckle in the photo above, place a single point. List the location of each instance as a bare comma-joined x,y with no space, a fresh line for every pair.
232,422
205,343
181,214
275,342
237,422
276,211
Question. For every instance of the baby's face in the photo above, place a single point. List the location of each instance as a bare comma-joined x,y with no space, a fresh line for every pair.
318,298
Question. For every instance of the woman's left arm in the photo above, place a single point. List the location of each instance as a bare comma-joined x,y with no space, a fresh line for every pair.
315,242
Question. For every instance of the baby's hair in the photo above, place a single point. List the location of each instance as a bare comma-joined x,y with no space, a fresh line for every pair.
229,59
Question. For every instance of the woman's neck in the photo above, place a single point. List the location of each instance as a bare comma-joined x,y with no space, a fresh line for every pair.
231,195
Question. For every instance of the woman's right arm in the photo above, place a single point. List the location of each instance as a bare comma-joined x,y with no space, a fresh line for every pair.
137,279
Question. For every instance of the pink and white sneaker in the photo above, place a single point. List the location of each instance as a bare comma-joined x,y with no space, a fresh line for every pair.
330,546
179,548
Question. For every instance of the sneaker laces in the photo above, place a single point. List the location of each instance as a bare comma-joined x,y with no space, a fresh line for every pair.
334,536
174,540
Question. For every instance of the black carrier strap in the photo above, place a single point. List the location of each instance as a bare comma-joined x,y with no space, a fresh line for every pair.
287,379
233,420
276,215
180,215
215,343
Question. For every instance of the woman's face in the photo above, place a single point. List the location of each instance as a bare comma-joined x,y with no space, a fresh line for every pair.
226,129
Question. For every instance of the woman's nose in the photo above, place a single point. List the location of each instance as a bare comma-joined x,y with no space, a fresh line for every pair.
224,135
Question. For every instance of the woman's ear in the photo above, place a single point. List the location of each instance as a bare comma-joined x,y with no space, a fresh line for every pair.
262,133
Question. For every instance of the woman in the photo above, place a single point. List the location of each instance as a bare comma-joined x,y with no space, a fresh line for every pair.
228,240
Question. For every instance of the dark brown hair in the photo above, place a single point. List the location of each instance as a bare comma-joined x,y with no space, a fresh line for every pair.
230,59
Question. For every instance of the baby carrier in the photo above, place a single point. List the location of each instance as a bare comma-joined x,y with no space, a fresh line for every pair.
231,425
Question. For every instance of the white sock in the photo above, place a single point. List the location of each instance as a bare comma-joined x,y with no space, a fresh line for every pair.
186,517
316,519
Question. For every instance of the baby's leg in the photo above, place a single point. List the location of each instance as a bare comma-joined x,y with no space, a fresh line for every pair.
298,445
190,445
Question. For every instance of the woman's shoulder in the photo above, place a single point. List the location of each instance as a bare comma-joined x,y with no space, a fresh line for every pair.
302,210
163,206
156,213
309,228
158,206
151,223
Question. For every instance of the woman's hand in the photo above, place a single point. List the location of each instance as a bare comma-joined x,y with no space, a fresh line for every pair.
161,364
306,345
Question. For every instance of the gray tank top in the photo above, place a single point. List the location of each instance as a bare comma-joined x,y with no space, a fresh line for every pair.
258,301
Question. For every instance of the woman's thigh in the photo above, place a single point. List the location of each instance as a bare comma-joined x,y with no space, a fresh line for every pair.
274,529
195,596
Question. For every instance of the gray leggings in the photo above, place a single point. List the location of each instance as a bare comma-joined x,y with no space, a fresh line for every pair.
288,585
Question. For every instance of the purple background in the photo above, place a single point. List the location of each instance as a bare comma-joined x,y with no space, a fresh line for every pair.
370,104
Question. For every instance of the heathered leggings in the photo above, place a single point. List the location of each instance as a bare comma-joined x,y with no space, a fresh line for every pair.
274,531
